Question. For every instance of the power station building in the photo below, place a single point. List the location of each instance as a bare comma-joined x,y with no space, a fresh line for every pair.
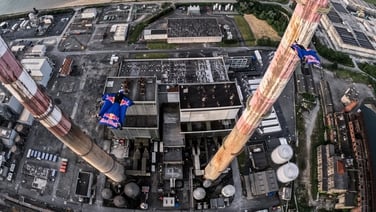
205,108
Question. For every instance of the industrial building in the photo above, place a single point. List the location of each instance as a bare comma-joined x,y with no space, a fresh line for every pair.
89,13
39,69
349,31
333,177
263,182
173,71
193,10
37,50
155,34
66,67
208,107
361,130
193,30
171,78
270,123
119,31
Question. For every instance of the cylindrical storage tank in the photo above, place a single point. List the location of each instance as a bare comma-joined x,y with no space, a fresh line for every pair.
282,154
19,140
22,129
106,193
199,193
120,201
144,206
131,190
207,183
287,173
14,149
228,191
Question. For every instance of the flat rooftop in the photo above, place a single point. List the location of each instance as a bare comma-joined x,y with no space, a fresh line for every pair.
135,88
171,128
177,70
208,95
141,121
193,27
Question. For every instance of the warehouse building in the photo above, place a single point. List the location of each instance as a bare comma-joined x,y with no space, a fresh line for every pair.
120,31
155,34
39,69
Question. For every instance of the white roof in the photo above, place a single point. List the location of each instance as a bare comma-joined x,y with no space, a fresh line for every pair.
121,29
33,63
17,48
90,10
38,48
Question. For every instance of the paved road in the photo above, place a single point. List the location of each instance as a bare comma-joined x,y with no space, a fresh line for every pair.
285,6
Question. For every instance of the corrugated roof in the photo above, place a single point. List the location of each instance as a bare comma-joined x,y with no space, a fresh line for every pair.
66,67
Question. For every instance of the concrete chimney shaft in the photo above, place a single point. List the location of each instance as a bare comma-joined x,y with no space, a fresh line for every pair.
301,28
41,106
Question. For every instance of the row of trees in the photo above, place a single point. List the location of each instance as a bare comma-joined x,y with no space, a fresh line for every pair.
368,68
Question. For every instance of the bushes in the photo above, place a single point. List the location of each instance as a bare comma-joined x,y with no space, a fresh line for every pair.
368,68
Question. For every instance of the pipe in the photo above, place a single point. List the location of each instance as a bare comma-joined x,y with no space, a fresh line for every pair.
40,105
301,28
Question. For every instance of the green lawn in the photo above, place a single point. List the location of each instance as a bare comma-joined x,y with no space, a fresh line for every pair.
246,32
151,55
161,45
356,77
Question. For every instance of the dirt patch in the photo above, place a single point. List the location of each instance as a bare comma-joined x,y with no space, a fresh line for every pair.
261,28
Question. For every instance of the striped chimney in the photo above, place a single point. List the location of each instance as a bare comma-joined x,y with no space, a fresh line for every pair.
41,106
301,28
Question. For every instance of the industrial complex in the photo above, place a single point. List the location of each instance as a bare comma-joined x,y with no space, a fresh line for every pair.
212,127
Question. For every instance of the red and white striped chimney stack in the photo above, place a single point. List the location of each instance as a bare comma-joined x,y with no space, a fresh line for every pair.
301,28
40,105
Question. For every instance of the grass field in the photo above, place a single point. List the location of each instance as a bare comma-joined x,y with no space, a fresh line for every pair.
246,32
161,45
260,28
151,55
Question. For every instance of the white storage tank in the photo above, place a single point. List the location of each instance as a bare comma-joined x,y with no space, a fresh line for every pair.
199,193
282,154
287,173
228,191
